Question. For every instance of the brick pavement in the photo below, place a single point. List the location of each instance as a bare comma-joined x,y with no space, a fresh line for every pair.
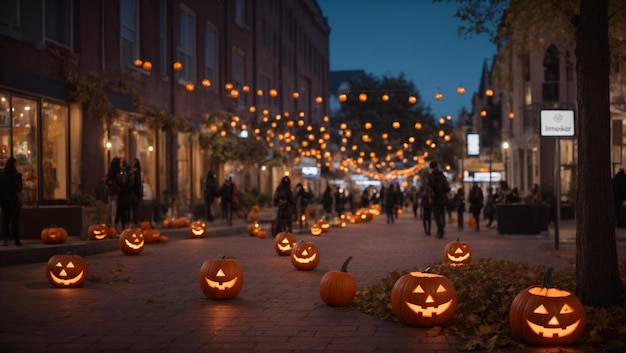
152,302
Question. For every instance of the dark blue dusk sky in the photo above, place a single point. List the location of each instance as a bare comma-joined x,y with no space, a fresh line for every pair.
416,37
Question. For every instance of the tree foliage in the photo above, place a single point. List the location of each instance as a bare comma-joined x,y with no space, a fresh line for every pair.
594,31
374,118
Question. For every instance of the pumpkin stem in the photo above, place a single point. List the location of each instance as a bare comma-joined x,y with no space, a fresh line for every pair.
547,278
344,267
458,239
428,270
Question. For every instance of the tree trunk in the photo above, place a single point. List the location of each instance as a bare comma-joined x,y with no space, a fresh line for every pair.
597,277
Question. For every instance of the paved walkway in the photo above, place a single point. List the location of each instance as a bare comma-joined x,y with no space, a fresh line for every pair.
152,302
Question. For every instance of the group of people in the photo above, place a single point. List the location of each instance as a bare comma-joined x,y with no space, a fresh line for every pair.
291,205
124,187
227,193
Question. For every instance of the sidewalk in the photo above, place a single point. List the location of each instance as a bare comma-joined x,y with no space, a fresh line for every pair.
152,302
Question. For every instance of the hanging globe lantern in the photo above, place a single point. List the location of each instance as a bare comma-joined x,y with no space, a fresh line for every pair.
273,92
296,95
147,66
343,97
138,62
319,100
412,99
460,90
177,66
439,96
418,126
190,87
395,125
385,97
362,97
368,125
206,83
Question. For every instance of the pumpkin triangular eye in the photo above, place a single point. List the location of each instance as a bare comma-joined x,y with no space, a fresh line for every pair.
59,264
70,264
220,273
541,310
285,241
441,289
305,253
458,251
566,309
418,289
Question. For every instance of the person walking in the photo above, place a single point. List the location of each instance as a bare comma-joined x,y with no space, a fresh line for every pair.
303,199
125,198
426,202
209,194
136,188
476,199
459,203
114,181
438,182
327,202
286,204
391,203
226,196
10,185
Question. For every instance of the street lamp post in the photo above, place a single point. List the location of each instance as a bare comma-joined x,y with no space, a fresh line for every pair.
505,147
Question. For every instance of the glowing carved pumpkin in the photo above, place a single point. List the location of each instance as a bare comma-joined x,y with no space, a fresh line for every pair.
220,278
423,299
131,241
66,271
198,229
546,315
338,288
305,256
324,225
53,235
316,229
98,231
151,236
457,253
284,242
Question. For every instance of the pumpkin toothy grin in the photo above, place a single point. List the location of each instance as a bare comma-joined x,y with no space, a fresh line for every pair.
429,311
134,246
305,260
221,285
553,331
66,282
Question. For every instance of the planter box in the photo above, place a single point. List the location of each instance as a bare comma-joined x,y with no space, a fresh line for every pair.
522,218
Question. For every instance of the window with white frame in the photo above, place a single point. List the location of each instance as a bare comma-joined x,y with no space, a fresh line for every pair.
210,54
129,29
239,67
58,22
187,47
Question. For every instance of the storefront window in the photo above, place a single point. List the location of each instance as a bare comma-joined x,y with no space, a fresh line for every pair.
117,142
184,167
54,151
24,140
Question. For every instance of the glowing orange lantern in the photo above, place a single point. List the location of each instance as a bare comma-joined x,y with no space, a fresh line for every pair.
177,66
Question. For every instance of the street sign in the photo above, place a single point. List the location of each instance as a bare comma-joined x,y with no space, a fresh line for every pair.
557,123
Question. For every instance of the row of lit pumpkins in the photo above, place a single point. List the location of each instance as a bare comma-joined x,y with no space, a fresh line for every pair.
539,315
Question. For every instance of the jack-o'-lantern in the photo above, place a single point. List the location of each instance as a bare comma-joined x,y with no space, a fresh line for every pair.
197,229
338,288
324,224
305,256
423,299
316,229
151,235
546,315
131,241
253,229
66,271
284,242
220,278
98,231
53,235
457,253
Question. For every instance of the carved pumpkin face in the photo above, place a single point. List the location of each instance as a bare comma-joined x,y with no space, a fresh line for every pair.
423,299
197,229
220,278
305,256
66,271
98,231
324,225
131,241
457,253
53,235
284,242
546,315
316,230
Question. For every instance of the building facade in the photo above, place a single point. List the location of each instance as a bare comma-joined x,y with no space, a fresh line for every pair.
86,81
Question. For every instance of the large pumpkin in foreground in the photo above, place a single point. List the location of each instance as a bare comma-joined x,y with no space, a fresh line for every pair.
338,288
220,278
423,299
66,271
546,315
